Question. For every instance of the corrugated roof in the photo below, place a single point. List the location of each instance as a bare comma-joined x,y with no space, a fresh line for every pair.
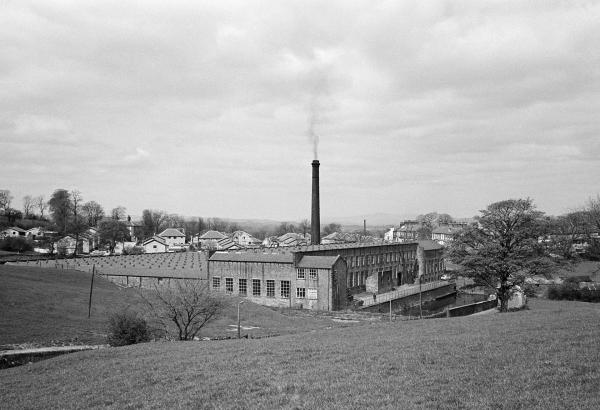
155,238
212,235
171,232
252,257
318,262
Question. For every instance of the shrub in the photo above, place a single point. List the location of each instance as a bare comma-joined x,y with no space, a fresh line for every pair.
570,291
17,244
133,250
127,328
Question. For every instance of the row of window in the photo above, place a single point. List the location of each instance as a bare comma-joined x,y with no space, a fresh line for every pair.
284,287
312,273
376,259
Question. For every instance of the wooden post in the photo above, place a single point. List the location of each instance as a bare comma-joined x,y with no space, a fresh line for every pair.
91,290
420,301
390,309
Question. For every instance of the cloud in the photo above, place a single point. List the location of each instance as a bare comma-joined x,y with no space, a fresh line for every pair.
441,97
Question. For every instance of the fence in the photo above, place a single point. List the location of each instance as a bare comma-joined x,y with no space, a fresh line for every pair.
472,308
400,293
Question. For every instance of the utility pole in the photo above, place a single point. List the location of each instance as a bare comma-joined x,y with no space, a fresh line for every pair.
390,310
238,327
91,290
420,301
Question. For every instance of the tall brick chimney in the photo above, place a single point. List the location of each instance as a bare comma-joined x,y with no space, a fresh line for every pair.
315,220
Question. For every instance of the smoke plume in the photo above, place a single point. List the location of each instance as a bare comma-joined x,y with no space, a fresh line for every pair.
312,123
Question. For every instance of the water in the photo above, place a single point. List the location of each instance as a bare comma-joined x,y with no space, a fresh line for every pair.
439,305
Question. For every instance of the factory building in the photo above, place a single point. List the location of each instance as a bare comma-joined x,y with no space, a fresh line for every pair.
321,277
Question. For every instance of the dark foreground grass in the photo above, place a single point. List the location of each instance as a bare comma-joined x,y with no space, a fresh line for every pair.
547,357
42,307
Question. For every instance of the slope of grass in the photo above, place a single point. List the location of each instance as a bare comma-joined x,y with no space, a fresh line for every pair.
41,306
547,357
49,306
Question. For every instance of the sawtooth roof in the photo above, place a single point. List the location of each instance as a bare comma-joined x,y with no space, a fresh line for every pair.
318,262
252,257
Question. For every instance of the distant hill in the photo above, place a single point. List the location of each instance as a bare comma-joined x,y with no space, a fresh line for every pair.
373,220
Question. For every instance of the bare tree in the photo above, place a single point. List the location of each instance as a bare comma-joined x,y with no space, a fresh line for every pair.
118,213
153,221
188,304
304,226
27,205
93,212
41,204
5,199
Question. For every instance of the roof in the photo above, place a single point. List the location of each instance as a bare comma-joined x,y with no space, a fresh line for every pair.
319,262
430,245
171,232
15,228
212,235
156,239
252,257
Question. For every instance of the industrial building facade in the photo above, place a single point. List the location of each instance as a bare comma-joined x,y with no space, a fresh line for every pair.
321,277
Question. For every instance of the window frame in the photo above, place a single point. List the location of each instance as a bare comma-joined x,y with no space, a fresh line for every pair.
216,282
285,285
301,293
270,287
254,287
300,274
229,285
240,287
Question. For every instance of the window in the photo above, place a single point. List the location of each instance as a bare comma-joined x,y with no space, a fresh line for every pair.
312,273
216,283
242,287
301,274
301,293
271,288
255,287
285,288
154,246
229,285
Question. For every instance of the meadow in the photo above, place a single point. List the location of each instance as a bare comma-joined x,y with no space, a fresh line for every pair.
48,306
547,357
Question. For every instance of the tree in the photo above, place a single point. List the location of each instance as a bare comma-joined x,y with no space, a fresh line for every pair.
27,206
427,223
41,204
331,228
5,199
118,213
304,226
61,208
188,304
93,211
112,231
153,221
503,249
12,215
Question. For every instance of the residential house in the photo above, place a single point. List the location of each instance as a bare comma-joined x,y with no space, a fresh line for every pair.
13,232
209,239
67,245
444,234
173,237
293,239
156,244
245,240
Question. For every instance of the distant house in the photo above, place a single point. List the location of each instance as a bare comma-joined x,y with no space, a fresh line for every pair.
209,239
13,232
156,244
245,239
133,228
67,245
445,233
293,239
226,244
173,237
408,231
35,233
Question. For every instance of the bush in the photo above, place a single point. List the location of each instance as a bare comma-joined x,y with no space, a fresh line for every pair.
127,328
570,291
15,245
133,250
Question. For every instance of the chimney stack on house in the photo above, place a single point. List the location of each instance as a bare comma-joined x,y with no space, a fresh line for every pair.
315,220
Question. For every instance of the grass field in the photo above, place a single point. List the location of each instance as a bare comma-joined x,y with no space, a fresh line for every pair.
547,357
42,307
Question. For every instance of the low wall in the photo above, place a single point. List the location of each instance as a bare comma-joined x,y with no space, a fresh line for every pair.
411,300
472,308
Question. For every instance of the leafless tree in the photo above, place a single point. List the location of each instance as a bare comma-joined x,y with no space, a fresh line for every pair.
5,199
27,205
41,204
93,212
188,304
118,213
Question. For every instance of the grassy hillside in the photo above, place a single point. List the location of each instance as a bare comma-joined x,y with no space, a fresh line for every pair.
49,306
547,357
42,306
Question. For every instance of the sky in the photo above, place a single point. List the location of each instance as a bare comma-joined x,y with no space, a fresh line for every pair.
218,108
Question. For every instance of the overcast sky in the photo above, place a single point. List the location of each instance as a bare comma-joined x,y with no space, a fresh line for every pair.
206,108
